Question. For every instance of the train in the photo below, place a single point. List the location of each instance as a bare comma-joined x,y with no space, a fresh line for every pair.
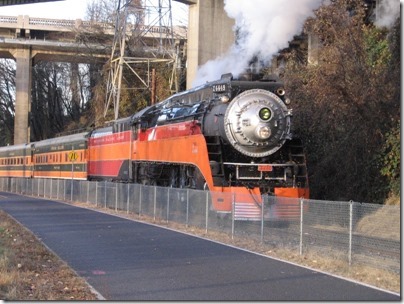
231,137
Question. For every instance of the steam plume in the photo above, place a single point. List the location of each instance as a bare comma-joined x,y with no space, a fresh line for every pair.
263,28
387,13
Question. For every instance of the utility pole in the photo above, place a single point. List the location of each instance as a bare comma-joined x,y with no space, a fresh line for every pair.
154,28
117,58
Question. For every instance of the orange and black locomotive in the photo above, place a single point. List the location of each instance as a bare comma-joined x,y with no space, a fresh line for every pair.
231,137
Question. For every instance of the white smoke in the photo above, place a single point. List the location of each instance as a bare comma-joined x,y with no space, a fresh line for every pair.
264,27
387,12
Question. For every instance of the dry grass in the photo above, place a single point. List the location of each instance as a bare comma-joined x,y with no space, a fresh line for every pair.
29,271
385,217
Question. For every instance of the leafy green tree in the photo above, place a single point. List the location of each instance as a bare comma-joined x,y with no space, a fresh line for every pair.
391,160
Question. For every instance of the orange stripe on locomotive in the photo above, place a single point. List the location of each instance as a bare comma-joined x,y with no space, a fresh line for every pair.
109,156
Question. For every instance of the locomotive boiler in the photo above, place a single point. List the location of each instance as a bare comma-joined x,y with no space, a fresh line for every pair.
231,136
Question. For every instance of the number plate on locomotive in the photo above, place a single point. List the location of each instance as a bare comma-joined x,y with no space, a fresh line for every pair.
219,88
265,168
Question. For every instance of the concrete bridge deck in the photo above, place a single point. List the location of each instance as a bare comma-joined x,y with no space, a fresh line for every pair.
29,40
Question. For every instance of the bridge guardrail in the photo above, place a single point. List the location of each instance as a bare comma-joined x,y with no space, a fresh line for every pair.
47,24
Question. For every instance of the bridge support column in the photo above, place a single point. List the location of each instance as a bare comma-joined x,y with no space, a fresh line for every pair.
23,95
210,34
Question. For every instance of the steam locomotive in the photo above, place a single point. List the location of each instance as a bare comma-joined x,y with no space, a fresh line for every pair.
231,137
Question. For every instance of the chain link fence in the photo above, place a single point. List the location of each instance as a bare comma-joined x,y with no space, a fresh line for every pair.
357,233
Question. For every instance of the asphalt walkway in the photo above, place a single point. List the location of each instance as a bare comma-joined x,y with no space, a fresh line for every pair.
128,260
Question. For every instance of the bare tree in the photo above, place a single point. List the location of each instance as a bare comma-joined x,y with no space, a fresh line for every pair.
7,97
345,103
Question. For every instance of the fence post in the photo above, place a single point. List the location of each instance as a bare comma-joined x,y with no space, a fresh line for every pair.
187,216
262,218
233,205
350,232
154,203
96,193
105,194
88,191
127,199
168,203
301,227
71,190
140,199
116,197
207,211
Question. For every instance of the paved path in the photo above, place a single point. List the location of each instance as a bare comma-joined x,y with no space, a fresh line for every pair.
129,260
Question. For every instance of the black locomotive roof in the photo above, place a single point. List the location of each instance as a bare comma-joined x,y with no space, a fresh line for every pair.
226,85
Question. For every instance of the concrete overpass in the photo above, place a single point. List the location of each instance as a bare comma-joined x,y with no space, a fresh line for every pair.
210,33
29,40
26,44
17,2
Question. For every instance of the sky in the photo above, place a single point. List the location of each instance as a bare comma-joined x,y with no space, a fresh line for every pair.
67,9
71,9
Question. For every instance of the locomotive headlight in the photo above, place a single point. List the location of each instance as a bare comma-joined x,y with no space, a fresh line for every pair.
224,98
263,132
265,114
